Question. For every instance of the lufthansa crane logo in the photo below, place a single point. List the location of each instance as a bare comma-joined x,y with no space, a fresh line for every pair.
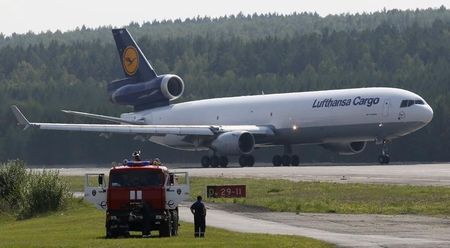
130,60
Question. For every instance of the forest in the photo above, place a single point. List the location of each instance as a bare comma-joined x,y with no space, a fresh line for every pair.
228,56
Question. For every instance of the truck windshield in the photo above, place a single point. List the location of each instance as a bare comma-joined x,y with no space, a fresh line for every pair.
136,178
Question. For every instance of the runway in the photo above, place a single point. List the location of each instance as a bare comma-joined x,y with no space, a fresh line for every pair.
414,174
343,230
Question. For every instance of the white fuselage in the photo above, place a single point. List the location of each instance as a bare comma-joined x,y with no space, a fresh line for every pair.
332,116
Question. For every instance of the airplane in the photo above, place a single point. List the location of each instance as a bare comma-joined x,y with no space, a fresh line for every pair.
343,120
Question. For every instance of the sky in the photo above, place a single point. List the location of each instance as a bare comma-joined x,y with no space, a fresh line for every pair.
21,16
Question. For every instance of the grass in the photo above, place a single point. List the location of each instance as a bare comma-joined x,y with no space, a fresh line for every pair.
325,197
81,225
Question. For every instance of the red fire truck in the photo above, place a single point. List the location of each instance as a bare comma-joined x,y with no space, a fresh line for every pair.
139,197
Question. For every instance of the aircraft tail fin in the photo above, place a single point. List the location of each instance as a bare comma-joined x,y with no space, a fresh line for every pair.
134,63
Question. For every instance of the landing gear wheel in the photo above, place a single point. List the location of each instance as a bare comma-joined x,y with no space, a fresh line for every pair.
214,161
295,160
205,161
276,160
384,159
223,161
250,160
246,160
387,159
381,159
242,161
286,160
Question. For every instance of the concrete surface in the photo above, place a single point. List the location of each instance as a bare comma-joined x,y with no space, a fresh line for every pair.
342,230
417,174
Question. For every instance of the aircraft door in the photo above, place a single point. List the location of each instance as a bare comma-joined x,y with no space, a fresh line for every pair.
95,190
177,189
386,105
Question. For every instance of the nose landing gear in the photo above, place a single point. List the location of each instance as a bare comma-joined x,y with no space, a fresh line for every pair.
384,157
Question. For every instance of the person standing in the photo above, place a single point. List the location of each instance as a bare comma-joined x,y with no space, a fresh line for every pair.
199,211
136,155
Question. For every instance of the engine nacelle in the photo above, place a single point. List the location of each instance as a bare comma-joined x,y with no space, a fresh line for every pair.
346,148
234,143
144,95
172,86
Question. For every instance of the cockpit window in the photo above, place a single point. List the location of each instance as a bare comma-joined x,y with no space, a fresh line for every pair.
407,103
404,104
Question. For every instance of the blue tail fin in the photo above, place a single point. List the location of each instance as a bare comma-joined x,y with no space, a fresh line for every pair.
134,63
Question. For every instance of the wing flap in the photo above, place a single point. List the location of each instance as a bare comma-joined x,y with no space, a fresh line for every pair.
129,129
253,129
103,117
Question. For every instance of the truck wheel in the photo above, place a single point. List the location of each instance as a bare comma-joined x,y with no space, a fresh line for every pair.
165,228
174,223
110,234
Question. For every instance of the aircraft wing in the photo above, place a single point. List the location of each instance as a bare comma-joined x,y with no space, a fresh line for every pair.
103,117
196,130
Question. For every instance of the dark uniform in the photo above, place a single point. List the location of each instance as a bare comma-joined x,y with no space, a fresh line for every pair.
199,211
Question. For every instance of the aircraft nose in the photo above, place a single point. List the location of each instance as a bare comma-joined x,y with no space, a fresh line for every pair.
427,114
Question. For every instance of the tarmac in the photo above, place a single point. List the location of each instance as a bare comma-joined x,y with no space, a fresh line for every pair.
344,230
414,174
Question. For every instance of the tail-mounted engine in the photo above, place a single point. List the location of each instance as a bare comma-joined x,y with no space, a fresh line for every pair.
144,95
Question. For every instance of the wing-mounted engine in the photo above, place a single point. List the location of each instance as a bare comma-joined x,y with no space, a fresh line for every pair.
234,143
144,95
346,148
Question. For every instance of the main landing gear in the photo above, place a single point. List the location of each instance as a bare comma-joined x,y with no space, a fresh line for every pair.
286,159
384,157
222,161
246,160
214,161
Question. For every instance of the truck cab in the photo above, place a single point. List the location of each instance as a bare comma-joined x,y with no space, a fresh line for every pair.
139,197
